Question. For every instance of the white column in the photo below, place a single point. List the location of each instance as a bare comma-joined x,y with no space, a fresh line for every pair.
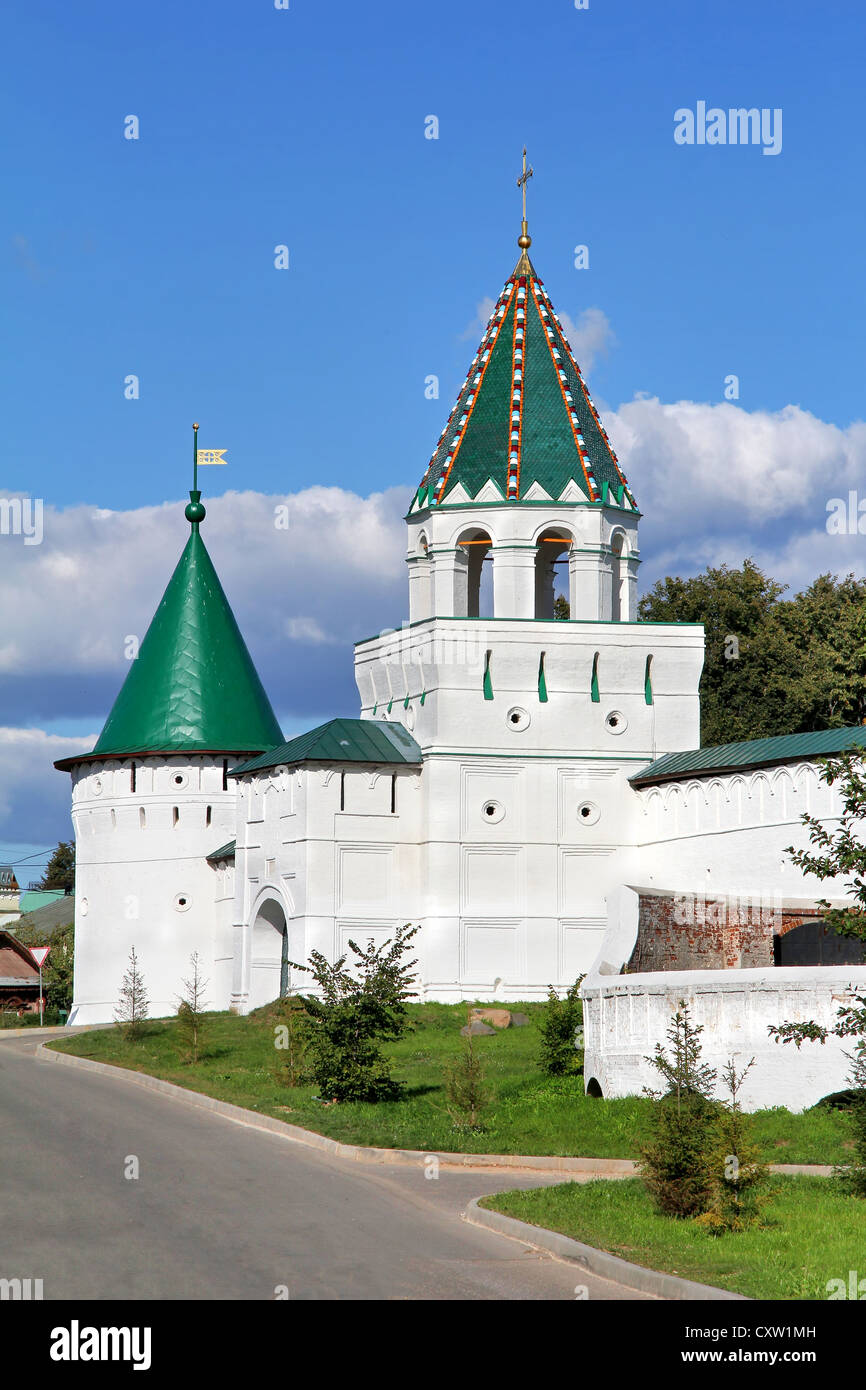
586,588
514,581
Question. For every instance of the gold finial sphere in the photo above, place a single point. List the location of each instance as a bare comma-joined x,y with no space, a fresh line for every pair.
524,241
195,426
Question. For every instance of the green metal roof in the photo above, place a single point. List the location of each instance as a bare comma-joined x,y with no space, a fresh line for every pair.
751,753
193,685
224,852
341,741
524,414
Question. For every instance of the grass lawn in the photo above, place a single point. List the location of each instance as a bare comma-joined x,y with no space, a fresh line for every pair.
528,1113
813,1232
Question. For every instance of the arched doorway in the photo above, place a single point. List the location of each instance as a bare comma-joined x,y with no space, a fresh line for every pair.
269,954
551,574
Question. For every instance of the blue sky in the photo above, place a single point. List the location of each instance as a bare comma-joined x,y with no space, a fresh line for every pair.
305,127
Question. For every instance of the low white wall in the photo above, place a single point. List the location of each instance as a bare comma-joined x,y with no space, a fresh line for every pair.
625,1016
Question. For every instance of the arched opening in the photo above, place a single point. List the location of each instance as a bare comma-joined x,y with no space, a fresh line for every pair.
269,954
551,574
473,575
593,1089
617,578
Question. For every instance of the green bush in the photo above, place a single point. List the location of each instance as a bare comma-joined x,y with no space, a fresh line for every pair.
354,1013
677,1160
559,1026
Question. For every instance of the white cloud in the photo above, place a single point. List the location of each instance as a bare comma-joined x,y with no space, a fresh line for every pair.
475,328
589,338
34,796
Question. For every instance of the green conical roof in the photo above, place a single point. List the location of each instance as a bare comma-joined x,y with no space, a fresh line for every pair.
524,418
193,686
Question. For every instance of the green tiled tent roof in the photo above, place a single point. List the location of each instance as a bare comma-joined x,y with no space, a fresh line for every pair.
341,741
193,685
751,753
524,415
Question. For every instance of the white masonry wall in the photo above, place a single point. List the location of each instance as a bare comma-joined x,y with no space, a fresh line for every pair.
142,879
722,838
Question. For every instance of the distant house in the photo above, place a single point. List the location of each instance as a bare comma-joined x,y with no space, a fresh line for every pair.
19,977
9,895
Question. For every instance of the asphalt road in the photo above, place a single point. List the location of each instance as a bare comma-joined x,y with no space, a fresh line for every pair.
220,1211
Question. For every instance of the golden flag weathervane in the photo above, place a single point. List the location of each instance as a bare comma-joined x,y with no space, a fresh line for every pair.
204,456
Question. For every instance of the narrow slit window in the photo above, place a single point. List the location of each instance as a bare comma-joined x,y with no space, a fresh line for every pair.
225,774
542,680
593,687
175,815
132,777
207,816
342,791
393,793
142,818
488,679
648,681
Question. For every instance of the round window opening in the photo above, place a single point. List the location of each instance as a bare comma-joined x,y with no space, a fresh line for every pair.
492,812
588,813
178,779
616,722
84,907
517,719
182,902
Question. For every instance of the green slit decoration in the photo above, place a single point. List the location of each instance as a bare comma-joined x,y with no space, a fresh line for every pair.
376,706
390,704
406,703
542,683
423,696
593,689
648,682
488,680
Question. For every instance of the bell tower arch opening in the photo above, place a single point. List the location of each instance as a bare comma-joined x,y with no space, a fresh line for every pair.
551,572
472,583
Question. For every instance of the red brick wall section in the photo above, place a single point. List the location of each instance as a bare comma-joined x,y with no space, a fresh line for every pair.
689,932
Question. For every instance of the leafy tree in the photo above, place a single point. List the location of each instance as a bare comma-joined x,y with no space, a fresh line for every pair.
60,870
191,1011
561,607
355,1011
840,851
57,972
132,1006
559,1027
677,1160
773,665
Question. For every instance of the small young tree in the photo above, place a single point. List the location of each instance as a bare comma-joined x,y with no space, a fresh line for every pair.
738,1175
191,1011
357,1010
132,1006
559,1028
464,1084
290,1041
676,1162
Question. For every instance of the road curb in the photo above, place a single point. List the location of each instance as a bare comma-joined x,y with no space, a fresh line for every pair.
360,1153
594,1261
543,1163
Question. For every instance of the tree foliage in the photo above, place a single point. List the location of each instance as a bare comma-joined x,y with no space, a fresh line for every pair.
354,1011
465,1089
58,970
738,1191
559,1027
677,1159
773,665
60,869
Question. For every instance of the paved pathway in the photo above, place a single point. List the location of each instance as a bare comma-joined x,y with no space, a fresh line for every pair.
221,1211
